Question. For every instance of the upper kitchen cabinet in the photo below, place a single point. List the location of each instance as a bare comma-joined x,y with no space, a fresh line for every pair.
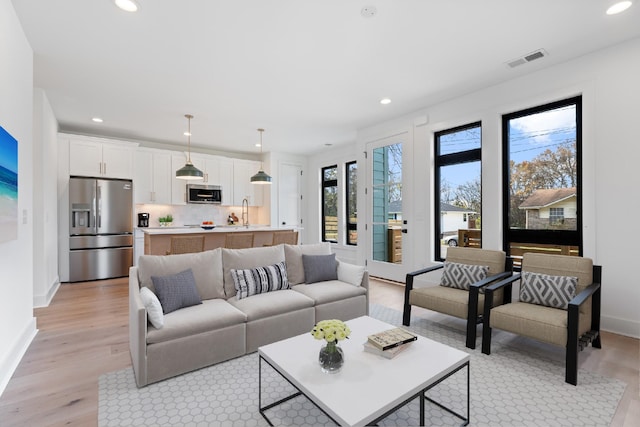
152,179
243,170
217,171
99,158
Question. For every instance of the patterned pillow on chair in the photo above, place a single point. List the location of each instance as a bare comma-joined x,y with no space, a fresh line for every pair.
550,291
461,276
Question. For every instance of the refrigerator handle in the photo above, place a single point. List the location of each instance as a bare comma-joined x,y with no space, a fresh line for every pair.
99,207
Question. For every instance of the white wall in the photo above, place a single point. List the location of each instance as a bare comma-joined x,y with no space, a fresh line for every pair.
607,81
17,324
45,201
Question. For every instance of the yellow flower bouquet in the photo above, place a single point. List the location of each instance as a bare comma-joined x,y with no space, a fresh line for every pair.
331,330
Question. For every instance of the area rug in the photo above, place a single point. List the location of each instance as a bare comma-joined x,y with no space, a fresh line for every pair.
509,388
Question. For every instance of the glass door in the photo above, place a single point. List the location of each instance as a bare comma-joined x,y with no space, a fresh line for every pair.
387,228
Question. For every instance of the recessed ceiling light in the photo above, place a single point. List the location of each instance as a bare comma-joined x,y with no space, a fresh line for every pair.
127,5
619,7
385,101
187,133
97,119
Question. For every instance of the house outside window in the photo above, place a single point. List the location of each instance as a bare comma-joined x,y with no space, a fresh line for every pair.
458,188
351,173
330,204
542,179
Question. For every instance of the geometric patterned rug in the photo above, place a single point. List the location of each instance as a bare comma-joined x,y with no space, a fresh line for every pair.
510,387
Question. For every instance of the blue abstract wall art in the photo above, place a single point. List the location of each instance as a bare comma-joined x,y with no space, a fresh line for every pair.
8,186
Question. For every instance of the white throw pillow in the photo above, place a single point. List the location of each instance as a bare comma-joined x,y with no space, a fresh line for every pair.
154,309
350,273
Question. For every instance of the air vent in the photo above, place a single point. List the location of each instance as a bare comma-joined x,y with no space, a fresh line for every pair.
540,53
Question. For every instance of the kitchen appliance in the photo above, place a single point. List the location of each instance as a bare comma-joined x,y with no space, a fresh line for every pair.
143,219
100,228
198,193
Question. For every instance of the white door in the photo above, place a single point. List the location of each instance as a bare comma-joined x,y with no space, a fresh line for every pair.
388,217
289,195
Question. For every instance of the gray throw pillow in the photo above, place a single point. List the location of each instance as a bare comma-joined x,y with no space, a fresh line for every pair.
176,291
462,276
319,268
252,281
550,291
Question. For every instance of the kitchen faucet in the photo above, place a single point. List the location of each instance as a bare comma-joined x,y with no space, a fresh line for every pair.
245,212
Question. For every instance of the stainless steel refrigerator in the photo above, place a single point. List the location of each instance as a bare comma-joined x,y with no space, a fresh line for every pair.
100,229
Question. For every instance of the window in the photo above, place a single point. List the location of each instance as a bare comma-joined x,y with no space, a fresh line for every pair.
458,188
351,170
542,185
330,204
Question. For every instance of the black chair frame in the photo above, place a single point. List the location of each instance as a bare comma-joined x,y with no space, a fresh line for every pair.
474,291
574,342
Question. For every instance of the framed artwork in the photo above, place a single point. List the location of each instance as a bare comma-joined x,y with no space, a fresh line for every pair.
8,186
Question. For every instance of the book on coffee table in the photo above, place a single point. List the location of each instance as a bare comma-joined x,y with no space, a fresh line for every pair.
391,338
389,354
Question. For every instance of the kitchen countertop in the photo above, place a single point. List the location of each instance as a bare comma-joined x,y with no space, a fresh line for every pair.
217,229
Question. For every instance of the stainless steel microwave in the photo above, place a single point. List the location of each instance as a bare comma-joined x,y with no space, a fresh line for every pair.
198,193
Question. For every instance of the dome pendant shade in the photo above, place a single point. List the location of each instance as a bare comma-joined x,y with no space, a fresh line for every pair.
188,171
261,177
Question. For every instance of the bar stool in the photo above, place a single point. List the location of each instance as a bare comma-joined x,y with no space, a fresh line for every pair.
186,244
238,240
289,237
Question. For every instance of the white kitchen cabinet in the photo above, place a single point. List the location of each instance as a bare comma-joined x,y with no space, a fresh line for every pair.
101,159
217,171
243,170
138,245
152,180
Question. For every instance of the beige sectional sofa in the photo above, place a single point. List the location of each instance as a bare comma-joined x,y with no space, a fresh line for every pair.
225,326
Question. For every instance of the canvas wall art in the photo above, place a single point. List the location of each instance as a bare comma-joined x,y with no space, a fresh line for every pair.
8,186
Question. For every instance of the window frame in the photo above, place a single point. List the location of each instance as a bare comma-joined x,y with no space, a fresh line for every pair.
327,183
349,226
450,159
561,237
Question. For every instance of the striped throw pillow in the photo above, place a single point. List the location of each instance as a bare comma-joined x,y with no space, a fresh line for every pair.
550,291
252,281
461,276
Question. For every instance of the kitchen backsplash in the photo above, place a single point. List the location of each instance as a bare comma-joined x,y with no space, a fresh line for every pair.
195,214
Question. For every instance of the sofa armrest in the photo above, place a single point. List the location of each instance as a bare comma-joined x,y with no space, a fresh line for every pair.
365,284
137,329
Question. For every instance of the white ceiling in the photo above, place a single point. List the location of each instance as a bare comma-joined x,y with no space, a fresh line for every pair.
310,72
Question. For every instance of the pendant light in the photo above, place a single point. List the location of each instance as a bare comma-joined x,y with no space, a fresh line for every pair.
188,171
261,177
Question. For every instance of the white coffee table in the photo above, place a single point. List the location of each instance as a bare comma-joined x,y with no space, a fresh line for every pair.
369,387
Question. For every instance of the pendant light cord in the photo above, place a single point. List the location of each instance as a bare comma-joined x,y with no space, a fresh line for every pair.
189,117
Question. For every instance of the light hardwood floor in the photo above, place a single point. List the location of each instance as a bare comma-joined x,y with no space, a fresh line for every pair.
84,333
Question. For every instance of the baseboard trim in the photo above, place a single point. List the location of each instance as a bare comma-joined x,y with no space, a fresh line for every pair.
45,300
620,326
15,354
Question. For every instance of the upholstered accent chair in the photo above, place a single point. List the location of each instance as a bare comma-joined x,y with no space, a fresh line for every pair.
558,303
186,244
460,293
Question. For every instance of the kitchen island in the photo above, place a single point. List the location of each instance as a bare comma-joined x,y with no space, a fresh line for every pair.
157,241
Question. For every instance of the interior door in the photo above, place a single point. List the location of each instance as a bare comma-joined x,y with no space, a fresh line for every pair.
388,225
289,195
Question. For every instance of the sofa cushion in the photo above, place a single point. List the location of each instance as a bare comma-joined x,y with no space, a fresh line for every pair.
293,257
153,307
329,291
350,273
206,267
461,276
271,304
319,268
210,315
547,290
247,258
176,291
252,281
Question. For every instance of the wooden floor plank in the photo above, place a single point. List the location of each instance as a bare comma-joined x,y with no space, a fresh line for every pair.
83,334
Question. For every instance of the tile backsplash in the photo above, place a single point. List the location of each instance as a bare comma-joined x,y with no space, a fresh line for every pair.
194,214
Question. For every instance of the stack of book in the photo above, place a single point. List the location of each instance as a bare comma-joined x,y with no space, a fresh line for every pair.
389,343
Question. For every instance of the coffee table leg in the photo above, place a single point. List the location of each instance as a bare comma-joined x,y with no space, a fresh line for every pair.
422,399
